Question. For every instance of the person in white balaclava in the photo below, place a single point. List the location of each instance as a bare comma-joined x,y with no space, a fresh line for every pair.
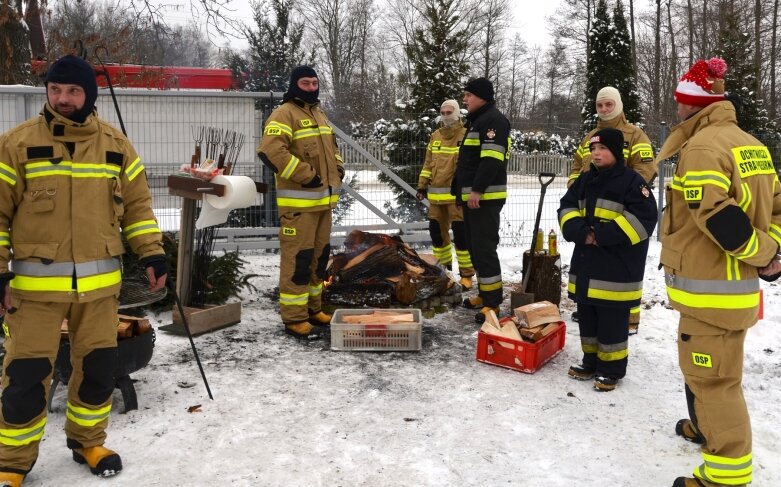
434,184
638,153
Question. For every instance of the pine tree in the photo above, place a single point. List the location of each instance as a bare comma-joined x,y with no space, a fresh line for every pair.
735,47
610,64
438,57
625,77
274,48
600,62
14,47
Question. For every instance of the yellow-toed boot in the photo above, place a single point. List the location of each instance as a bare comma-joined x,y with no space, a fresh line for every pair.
11,479
321,318
303,330
101,461
466,283
475,302
480,316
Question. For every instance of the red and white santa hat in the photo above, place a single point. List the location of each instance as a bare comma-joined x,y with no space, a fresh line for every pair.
703,84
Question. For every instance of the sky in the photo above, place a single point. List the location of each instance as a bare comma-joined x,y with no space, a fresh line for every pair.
529,17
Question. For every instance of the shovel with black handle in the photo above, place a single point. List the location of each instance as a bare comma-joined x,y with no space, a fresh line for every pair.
524,297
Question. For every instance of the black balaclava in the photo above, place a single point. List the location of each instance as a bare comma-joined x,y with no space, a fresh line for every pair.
76,71
293,91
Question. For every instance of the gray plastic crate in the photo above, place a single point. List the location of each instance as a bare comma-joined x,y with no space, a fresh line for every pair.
389,337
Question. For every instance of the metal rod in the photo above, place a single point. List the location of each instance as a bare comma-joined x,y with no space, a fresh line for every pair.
190,337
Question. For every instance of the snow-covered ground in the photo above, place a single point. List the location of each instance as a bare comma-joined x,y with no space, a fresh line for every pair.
291,414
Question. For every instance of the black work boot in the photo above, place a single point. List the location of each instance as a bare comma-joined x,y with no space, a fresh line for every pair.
687,482
688,431
475,302
581,372
605,384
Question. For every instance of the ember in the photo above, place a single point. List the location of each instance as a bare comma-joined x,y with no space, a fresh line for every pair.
376,270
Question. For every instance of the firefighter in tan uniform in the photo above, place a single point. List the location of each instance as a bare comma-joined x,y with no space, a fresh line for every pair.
638,154
300,147
721,231
434,183
69,182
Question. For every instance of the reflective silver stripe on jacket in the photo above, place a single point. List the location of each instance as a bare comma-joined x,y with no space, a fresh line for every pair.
38,269
303,195
615,286
712,286
490,189
439,190
610,205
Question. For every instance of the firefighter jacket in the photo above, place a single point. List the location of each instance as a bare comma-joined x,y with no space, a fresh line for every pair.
298,144
722,221
483,157
617,204
440,165
637,150
66,191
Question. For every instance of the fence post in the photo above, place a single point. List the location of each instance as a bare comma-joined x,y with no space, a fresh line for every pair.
661,170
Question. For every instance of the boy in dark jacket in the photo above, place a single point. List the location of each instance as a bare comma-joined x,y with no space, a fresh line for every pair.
608,212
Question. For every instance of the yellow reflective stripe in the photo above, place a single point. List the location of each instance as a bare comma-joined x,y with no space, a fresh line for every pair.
746,200
496,195
471,142
65,284
751,248
733,270
589,347
286,299
87,417
290,167
612,356
304,133
338,158
302,203
614,295
7,174
775,232
569,215
441,197
326,130
641,146
444,150
100,281
628,229
316,290
606,214
698,178
626,153
726,471
72,169
573,176
490,287
5,239
281,127
22,436
134,169
716,301
140,228
492,154
634,310
425,173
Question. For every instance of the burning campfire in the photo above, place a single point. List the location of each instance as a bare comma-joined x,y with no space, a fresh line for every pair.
377,270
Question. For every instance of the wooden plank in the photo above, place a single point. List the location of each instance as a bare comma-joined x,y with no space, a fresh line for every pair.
206,319
193,188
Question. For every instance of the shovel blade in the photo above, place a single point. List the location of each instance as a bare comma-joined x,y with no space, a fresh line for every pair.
518,298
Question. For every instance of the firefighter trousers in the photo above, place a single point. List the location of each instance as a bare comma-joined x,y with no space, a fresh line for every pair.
304,241
711,360
604,339
482,234
441,219
32,340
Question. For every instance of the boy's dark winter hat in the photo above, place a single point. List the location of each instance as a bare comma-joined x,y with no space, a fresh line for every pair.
611,138
482,88
73,70
302,72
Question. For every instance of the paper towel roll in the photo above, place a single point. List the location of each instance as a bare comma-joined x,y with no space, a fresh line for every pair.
240,192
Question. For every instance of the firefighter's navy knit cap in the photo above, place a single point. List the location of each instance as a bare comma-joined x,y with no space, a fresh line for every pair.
301,72
482,88
611,138
73,70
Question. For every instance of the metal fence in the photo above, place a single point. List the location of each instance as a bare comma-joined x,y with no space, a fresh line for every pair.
160,123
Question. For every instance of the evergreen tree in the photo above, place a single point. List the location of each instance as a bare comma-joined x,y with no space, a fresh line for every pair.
625,76
438,57
610,64
274,47
600,62
14,47
736,48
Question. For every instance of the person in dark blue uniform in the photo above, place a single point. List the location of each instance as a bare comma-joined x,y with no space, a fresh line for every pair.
609,212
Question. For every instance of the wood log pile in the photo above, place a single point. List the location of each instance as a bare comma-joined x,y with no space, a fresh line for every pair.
127,327
379,317
377,270
529,323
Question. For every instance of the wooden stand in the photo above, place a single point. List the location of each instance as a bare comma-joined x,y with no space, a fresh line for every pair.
545,279
192,190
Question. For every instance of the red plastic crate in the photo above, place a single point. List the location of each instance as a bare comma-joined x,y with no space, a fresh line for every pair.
520,355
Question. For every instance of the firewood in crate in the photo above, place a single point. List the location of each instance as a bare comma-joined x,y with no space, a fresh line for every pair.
379,318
